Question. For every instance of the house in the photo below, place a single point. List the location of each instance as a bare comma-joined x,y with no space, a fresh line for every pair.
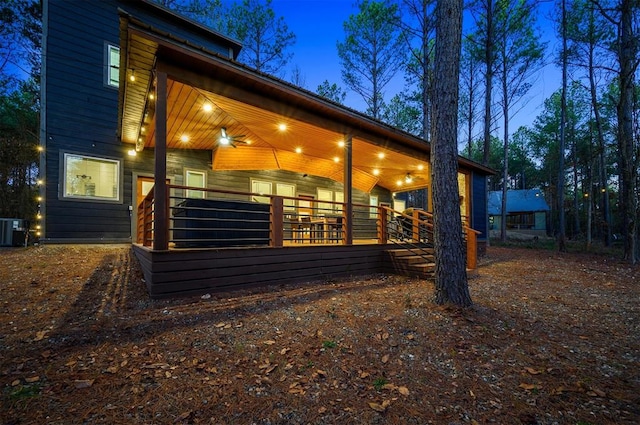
526,211
220,176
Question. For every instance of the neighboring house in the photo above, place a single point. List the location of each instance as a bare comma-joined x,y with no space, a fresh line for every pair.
526,211
153,134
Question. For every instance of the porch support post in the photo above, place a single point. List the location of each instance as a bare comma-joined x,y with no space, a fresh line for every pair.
276,221
161,201
348,183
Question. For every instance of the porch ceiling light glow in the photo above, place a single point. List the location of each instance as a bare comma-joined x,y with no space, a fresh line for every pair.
184,138
207,107
132,152
298,150
336,159
282,127
151,96
381,155
341,143
132,76
376,172
420,167
399,182
408,178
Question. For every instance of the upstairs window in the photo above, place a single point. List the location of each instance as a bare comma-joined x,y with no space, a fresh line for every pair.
113,65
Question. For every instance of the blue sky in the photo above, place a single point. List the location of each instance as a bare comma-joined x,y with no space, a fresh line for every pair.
318,26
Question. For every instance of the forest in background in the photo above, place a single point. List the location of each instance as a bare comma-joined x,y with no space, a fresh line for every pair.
586,139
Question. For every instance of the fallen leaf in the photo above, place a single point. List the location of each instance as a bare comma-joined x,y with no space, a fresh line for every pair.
112,369
40,335
269,342
380,407
221,325
385,358
403,390
285,351
32,379
83,383
533,371
528,387
15,383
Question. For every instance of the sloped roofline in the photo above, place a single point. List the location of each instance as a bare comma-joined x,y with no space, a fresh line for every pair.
287,92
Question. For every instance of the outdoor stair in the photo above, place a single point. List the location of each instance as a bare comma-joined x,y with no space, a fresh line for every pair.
415,262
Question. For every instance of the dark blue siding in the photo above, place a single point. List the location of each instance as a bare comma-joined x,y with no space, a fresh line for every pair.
81,110
479,204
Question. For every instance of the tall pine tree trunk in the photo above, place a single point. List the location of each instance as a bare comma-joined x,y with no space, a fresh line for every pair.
488,62
627,56
563,119
450,272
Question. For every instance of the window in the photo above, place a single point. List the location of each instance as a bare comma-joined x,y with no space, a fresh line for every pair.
87,177
195,179
329,195
262,188
113,65
373,211
284,189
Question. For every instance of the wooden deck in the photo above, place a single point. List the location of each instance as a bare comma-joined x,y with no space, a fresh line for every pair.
223,244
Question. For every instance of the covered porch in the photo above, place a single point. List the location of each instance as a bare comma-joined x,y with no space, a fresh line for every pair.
185,102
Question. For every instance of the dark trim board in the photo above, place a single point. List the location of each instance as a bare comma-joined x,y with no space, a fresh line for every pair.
177,273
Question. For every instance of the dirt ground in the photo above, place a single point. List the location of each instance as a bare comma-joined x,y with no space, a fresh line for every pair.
552,339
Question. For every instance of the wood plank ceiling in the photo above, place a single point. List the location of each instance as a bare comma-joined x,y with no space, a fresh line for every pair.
195,118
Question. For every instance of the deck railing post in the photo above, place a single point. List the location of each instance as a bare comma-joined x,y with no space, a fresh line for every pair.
415,232
140,223
382,225
472,249
276,220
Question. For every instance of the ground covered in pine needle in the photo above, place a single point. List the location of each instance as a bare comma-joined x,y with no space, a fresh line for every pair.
552,339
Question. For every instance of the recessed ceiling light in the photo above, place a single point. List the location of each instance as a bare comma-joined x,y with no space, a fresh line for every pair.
376,172
336,159
341,143
298,150
381,155
399,182
184,138
151,96
282,127
207,107
420,167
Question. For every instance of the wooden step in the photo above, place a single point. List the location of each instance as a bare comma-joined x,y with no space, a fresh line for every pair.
407,262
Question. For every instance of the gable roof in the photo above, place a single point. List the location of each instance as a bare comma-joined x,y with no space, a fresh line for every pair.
528,200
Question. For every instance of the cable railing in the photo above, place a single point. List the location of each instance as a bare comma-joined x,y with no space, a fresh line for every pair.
223,218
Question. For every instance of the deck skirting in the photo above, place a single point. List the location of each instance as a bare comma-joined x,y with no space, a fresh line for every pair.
186,272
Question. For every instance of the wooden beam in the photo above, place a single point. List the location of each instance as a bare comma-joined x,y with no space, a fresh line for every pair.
348,190
160,193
